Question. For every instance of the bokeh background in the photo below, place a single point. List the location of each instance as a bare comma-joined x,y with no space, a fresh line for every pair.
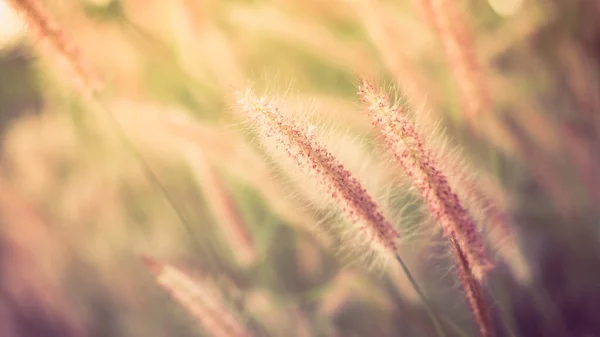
165,167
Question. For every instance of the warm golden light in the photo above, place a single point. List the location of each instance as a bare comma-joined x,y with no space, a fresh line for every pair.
506,7
10,25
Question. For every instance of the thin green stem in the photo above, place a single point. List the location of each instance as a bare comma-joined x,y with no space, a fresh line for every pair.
432,314
133,150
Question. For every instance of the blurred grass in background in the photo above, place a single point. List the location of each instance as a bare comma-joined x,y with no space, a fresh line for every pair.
78,207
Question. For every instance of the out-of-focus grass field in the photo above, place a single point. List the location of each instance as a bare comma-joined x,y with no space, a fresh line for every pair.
167,161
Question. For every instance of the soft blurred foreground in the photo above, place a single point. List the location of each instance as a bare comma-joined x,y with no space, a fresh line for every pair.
160,167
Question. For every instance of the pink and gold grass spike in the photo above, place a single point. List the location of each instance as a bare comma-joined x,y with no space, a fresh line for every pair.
201,300
59,45
311,156
409,149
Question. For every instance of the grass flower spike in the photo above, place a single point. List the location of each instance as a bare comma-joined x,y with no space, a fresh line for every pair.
59,44
459,228
408,148
450,23
198,299
302,146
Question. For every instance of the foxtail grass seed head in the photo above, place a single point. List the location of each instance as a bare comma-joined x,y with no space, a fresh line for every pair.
59,44
312,157
472,290
409,150
200,300
451,24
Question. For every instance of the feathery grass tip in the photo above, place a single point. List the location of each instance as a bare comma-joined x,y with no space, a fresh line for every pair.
311,156
60,45
407,146
198,299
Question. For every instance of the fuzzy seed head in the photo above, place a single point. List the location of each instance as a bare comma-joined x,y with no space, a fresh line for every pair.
451,24
408,148
200,300
59,44
303,148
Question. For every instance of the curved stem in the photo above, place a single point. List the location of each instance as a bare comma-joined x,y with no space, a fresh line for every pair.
434,317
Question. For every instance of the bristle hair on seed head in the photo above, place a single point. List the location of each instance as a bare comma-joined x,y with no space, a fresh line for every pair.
348,193
417,160
201,299
365,165
480,194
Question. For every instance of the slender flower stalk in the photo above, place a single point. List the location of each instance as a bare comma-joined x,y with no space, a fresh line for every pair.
384,33
60,45
301,145
201,301
408,148
223,209
450,22
451,25
472,290
346,191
